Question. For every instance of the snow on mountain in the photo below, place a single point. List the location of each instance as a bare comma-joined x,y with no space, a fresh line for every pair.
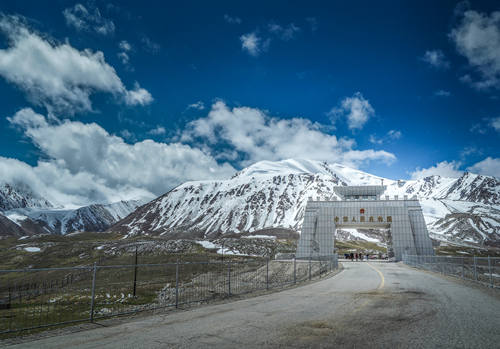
96,217
20,196
274,194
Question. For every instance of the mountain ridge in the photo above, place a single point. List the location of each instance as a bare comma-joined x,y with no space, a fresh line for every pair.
274,194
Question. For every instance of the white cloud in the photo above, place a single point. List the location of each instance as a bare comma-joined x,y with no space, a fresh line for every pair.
85,164
253,44
159,130
124,54
477,38
391,135
374,140
232,19
436,59
394,134
495,123
285,33
487,167
443,169
57,75
83,19
125,45
138,96
124,58
150,45
198,105
442,93
255,136
356,109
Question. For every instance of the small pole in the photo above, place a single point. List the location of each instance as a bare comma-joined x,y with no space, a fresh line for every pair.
475,269
489,268
135,270
93,293
294,271
463,267
310,267
229,278
177,283
267,273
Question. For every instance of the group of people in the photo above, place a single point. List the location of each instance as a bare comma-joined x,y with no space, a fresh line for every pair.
357,256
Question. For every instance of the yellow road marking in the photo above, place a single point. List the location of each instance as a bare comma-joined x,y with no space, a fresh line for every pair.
381,276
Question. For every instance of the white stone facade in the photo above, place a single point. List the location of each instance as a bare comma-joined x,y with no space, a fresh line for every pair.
361,207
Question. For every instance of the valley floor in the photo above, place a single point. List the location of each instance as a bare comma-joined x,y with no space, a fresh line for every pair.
367,305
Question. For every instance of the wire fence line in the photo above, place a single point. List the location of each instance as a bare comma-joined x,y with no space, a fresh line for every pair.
31,299
484,270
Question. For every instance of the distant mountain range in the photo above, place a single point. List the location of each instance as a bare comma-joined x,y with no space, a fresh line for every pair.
274,195
262,196
23,212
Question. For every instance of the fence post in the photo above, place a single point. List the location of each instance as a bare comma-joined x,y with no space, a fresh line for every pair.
177,283
489,268
93,293
463,267
267,273
229,278
294,271
135,270
310,267
475,269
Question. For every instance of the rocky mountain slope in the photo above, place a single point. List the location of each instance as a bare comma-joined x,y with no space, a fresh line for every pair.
20,196
274,194
24,212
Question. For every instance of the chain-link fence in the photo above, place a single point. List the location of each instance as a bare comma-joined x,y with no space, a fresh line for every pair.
484,270
31,299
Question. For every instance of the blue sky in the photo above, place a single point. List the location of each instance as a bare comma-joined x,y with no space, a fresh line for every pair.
398,89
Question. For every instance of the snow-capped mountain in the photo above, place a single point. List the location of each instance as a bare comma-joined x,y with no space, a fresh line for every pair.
96,217
20,196
274,194
24,212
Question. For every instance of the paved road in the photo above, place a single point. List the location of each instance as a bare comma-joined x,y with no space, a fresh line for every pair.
381,305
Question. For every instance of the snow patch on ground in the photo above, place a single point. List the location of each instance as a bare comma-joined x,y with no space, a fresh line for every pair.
270,237
32,249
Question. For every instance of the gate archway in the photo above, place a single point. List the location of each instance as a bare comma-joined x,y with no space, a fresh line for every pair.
362,207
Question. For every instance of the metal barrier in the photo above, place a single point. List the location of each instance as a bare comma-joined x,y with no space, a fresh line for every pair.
36,298
484,270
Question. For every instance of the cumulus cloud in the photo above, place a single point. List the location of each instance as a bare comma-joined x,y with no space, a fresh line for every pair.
356,109
84,163
83,19
253,44
138,96
488,167
232,19
477,38
443,169
436,59
251,135
58,76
